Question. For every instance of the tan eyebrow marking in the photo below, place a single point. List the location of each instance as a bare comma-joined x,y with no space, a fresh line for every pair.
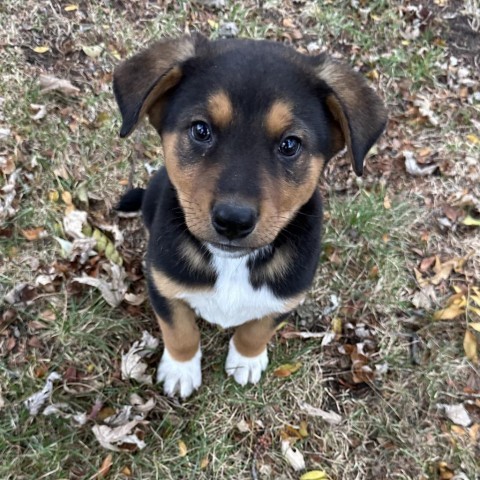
220,109
278,118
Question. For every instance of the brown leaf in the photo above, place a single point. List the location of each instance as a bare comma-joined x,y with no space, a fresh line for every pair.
426,264
106,466
287,369
470,346
32,234
7,165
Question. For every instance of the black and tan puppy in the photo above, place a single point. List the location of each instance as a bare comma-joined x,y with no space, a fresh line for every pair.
234,217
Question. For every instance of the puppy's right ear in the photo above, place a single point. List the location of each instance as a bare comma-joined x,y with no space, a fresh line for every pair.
140,81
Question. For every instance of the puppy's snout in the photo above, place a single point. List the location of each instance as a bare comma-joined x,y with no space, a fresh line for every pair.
233,221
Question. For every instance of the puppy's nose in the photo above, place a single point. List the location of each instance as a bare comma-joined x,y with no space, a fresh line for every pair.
233,221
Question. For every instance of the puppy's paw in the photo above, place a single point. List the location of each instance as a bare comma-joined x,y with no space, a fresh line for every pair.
245,369
179,377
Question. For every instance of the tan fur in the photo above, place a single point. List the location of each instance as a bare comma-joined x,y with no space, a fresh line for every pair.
220,109
278,118
193,257
181,335
251,338
277,267
170,288
195,185
282,199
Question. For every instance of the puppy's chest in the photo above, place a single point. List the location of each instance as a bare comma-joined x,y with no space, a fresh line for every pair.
233,300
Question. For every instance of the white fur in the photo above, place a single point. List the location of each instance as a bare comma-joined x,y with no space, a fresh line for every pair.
245,369
181,377
233,301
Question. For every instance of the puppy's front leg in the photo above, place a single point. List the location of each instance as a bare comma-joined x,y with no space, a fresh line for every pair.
247,355
180,366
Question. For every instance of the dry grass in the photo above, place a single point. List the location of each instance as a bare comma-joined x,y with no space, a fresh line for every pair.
391,425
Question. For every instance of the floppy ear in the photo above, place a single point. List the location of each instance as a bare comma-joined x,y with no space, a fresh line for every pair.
140,81
358,112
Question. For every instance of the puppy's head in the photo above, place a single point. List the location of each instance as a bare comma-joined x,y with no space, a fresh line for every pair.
247,127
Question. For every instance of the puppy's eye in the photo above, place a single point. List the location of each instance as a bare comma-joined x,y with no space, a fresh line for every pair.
290,146
200,131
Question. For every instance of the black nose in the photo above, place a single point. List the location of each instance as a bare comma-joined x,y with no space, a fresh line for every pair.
233,221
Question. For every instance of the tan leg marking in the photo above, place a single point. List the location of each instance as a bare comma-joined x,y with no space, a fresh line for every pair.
180,336
251,338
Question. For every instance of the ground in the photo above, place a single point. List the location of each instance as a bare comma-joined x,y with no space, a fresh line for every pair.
386,343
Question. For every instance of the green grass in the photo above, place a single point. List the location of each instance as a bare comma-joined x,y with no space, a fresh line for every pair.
391,427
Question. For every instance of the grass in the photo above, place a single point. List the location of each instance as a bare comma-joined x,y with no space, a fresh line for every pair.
391,426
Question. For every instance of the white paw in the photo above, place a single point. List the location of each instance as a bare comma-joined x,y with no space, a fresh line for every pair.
245,369
179,377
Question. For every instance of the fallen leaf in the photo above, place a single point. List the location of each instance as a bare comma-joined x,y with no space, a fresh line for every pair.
304,335
475,326
458,430
112,291
470,346
117,439
204,462
474,432
41,111
427,263
287,369
71,7
243,426
303,430
413,168
32,234
93,51
314,475
330,417
41,49
67,197
337,325
293,456
446,471
387,203
132,365
35,402
471,222
140,405
456,413
49,83
63,410
105,467
126,471
7,165
182,448
133,299
472,138
449,313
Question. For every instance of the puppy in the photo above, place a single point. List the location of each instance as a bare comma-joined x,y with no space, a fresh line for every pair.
234,217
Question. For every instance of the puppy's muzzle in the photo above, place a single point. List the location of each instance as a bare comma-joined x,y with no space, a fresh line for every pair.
233,221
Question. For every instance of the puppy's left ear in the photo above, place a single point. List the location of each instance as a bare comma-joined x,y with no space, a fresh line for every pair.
358,112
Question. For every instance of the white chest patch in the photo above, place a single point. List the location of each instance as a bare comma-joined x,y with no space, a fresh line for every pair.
233,301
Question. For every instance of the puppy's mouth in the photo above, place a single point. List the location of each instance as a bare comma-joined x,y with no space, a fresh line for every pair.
229,250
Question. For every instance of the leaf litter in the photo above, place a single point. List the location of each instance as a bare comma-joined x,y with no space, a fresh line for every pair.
133,366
